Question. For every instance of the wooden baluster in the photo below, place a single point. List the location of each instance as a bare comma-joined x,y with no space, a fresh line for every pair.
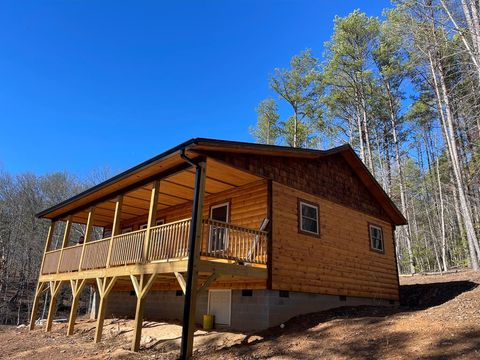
171,243
173,247
153,244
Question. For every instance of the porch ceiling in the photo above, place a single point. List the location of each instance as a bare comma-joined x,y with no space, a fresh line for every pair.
175,189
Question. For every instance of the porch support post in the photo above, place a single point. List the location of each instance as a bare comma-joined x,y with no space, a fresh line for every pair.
152,216
141,290
116,225
88,234
36,300
54,290
188,327
40,285
181,281
77,287
66,236
105,285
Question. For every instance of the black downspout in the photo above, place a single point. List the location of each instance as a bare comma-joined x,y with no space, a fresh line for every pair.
193,235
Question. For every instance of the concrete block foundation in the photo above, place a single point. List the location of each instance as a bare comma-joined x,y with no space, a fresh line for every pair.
263,309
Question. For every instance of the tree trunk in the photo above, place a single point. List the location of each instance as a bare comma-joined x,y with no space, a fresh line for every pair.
403,202
442,219
447,123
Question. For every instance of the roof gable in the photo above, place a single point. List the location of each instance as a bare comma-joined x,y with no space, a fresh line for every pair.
346,173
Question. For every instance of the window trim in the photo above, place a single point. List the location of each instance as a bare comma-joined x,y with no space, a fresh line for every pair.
212,207
299,215
370,225
219,205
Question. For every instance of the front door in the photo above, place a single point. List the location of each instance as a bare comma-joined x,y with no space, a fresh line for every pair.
218,234
220,305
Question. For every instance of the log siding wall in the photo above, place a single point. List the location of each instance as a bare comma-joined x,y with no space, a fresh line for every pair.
329,177
340,261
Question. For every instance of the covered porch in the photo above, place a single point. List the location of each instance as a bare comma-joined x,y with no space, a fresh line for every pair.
138,230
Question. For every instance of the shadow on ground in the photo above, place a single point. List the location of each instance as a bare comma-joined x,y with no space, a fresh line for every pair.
368,332
424,296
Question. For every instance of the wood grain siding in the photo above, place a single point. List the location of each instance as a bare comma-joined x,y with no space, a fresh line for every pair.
329,177
248,207
340,261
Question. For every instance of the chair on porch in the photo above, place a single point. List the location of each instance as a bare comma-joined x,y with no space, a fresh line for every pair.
251,252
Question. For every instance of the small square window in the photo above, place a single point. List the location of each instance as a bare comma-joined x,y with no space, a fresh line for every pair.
247,292
160,222
376,237
143,226
179,293
342,298
308,218
126,230
284,294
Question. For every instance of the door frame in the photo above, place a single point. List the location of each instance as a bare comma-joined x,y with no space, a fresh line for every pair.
225,234
210,291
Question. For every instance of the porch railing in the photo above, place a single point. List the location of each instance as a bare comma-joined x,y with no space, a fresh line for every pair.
233,242
51,262
96,253
128,248
70,260
167,242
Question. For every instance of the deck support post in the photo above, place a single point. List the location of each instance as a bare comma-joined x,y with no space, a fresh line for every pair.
105,285
52,308
195,243
152,217
181,281
40,286
213,276
77,287
36,300
141,290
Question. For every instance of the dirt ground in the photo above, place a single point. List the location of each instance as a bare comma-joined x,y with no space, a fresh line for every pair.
439,319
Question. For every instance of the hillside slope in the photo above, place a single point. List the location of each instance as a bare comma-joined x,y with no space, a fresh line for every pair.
439,319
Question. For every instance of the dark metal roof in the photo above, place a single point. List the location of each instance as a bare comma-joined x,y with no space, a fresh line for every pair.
237,146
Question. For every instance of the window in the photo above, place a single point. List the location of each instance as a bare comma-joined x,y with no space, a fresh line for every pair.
158,222
247,292
218,234
342,298
376,237
179,293
283,293
308,218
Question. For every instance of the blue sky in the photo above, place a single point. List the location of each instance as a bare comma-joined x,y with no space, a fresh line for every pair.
89,84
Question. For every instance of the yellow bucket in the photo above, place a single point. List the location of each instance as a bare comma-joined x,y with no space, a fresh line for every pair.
208,322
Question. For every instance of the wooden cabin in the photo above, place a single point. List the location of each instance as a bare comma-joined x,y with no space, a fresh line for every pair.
253,234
